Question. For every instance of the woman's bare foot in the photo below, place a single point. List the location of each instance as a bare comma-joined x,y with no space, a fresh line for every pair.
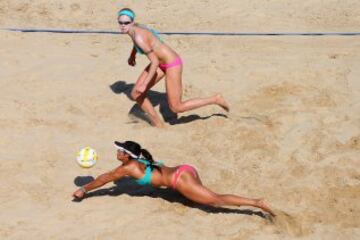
261,204
221,102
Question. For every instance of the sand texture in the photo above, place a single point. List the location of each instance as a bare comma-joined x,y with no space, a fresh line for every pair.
292,136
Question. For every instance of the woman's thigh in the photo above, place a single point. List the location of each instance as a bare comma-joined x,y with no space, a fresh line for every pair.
197,192
192,188
174,84
157,77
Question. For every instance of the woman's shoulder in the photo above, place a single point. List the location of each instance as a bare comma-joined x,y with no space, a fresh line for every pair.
141,30
140,37
129,166
146,32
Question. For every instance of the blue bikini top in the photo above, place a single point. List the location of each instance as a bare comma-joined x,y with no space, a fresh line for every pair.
156,34
146,179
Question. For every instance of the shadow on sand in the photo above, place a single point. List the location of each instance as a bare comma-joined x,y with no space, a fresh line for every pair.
129,187
156,99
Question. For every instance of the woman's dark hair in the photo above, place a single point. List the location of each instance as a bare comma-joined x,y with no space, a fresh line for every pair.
131,146
136,149
147,155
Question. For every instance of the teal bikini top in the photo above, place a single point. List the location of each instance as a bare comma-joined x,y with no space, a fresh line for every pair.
156,34
146,179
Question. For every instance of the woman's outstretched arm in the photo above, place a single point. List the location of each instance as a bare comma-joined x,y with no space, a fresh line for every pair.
101,180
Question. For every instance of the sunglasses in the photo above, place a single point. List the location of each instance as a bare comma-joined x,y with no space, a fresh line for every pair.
124,23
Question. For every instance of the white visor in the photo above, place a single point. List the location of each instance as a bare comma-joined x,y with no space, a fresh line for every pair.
127,151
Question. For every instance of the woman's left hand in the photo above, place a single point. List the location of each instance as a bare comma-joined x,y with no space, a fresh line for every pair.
78,194
132,61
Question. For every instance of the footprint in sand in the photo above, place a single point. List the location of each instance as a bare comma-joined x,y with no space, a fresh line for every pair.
75,7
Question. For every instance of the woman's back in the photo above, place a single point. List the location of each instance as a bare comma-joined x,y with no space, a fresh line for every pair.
152,38
160,175
163,177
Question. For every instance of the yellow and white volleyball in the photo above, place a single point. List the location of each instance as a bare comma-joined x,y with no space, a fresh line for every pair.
87,157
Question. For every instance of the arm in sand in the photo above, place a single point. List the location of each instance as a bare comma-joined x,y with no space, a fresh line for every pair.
101,180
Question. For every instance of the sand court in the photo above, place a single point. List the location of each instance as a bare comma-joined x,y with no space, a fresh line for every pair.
292,135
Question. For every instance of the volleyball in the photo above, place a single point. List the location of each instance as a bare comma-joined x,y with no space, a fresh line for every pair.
86,157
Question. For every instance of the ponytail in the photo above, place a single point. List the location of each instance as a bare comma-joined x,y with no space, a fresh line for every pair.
147,155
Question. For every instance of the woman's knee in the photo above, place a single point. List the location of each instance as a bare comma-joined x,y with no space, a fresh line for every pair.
176,107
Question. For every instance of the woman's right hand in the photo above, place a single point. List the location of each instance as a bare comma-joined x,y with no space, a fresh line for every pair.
132,61
78,194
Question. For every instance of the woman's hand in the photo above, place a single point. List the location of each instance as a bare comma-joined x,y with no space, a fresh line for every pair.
132,61
78,193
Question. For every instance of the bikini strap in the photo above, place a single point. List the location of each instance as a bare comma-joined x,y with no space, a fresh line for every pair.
148,163
159,163
144,161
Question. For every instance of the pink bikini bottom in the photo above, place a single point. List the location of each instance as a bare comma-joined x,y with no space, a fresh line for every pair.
176,62
180,170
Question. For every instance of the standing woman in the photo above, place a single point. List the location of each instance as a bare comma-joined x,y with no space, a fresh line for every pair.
163,62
